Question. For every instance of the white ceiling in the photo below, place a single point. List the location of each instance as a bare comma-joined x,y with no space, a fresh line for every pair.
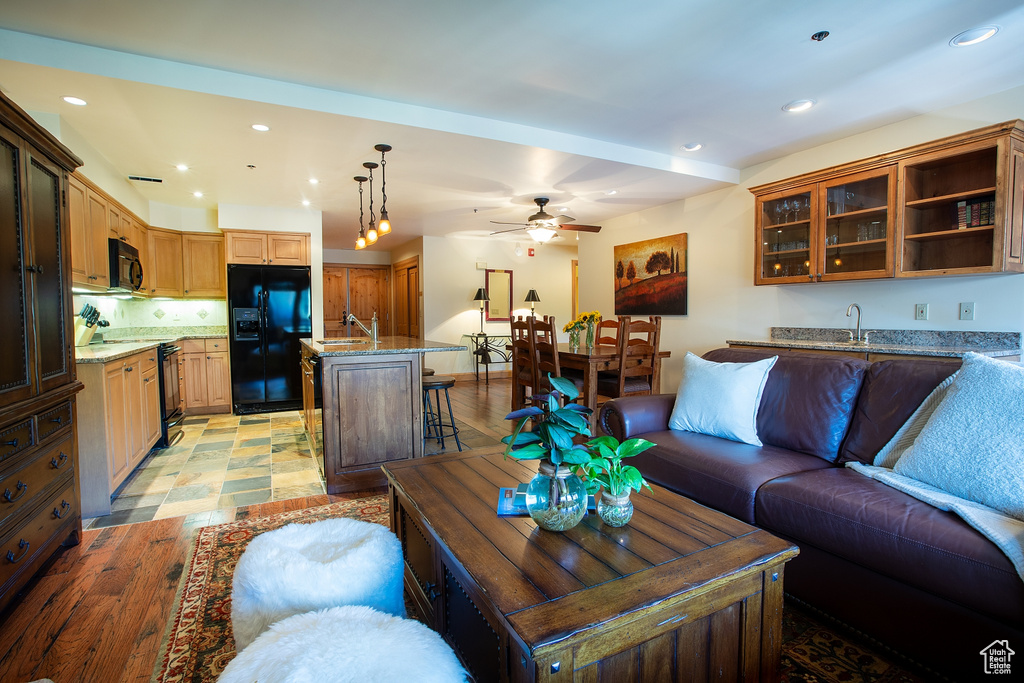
487,104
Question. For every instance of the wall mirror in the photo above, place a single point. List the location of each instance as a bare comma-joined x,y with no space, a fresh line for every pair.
499,293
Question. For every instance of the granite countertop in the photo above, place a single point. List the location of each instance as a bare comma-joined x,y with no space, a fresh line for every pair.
386,345
938,343
107,351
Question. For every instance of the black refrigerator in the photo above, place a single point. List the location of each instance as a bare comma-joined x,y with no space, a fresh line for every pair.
269,311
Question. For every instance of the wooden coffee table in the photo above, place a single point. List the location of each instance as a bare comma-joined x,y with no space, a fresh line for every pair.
680,593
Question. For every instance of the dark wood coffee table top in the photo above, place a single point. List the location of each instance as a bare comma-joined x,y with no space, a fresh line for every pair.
553,587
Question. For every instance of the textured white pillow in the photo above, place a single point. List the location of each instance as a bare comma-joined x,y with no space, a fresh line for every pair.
973,444
721,399
904,438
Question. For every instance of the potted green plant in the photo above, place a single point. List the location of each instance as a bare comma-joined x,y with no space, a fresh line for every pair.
556,498
606,470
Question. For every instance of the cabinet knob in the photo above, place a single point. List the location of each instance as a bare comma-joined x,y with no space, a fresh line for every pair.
128,369
819,277
186,291
271,261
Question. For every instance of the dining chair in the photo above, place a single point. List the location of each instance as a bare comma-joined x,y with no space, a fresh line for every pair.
544,336
638,368
608,333
524,369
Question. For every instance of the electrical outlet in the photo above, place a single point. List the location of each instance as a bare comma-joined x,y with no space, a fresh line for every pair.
920,311
967,310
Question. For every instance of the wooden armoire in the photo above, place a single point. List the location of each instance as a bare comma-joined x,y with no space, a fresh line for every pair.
39,491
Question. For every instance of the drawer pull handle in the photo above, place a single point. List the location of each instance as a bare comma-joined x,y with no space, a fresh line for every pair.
59,461
432,592
59,419
23,547
22,487
13,443
64,507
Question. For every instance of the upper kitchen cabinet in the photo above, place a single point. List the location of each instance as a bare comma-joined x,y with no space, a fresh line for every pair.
947,207
164,274
962,205
202,257
90,260
266,248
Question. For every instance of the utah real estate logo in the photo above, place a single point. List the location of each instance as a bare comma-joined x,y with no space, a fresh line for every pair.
997,657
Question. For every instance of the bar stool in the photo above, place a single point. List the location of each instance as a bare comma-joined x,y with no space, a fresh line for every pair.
434,424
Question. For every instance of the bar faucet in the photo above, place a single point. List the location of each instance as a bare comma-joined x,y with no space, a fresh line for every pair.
372,332
857,339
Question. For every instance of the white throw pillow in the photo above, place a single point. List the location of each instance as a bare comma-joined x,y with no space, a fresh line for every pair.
904,438
720,399
973,444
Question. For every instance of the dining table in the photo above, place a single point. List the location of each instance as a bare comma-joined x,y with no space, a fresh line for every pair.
590,360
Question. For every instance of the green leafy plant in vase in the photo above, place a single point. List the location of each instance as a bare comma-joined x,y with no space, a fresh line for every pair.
556,497
616,480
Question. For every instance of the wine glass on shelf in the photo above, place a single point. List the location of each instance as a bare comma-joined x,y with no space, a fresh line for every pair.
778,212
797,205
785,210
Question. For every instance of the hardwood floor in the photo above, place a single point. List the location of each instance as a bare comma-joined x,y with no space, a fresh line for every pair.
97,613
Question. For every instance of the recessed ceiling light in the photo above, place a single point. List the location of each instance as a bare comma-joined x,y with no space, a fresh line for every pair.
260,127
182,167
798,105
305,202
692,147
313,181
973,36
197,194
77,101
611,192
563,208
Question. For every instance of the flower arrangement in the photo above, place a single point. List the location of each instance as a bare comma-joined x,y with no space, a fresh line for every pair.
584,321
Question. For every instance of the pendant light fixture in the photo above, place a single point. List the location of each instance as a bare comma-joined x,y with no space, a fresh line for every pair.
371,230
361,239
384,227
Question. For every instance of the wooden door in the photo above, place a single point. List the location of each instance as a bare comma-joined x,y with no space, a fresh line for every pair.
407,298
117,423
360,290
151,405
15,371
98,259
134,411
78,216
245,247
165,266
113,221
287,249
202,263
218,379
195,380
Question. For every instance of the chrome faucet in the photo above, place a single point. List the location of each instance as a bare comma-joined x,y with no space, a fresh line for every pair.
857,339
372,332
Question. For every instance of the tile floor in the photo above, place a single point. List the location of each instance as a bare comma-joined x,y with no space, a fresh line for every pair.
222,461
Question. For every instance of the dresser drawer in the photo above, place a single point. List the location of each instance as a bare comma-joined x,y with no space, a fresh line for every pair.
16,438
148,361
219,344
22,483
24,542
53,420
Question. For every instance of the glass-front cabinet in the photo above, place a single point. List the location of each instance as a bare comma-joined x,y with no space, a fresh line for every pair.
840,229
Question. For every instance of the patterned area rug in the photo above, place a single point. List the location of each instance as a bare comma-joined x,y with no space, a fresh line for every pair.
199,642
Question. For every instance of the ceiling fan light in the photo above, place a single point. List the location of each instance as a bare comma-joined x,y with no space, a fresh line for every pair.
541,235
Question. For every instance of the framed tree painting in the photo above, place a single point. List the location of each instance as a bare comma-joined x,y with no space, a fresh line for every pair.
499,293
650,276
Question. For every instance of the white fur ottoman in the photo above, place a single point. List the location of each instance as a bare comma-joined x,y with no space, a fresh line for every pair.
345,645
304,567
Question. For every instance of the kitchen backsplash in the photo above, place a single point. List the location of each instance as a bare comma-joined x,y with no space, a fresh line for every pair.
140,318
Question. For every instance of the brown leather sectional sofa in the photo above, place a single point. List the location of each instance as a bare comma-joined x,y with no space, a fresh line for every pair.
913,577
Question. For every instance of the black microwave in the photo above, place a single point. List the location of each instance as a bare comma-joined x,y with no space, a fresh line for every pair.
125,267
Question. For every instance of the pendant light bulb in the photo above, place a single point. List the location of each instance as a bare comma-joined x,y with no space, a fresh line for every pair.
361,240
371,234
384,227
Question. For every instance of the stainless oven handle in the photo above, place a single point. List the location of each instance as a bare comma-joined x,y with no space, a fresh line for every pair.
169,351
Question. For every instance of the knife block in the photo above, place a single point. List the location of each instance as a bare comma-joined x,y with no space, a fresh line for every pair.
83,332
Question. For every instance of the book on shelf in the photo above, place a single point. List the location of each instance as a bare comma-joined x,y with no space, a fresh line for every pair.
512,502
961,214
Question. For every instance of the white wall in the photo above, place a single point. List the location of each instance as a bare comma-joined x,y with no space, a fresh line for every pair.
360,256
276,219
723,302
449,279
186,219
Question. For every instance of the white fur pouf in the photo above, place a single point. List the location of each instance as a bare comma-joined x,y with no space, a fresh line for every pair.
304,567
345,645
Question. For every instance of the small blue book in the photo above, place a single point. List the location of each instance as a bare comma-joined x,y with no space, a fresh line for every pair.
512,501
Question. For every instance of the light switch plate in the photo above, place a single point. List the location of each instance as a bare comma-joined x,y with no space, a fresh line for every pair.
920,311
967,310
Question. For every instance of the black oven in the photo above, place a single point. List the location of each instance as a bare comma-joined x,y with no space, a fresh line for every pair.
171,414
125,267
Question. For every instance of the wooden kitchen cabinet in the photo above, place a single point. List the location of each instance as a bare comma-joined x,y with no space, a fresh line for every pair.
120,424
266,248
166,275
207,375
953,206
37,374
202,260
90,255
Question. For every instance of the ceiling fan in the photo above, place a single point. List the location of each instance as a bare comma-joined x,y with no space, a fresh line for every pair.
542,226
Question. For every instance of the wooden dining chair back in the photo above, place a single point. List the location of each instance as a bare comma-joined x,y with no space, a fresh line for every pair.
608,333
524,377
543,336
639,342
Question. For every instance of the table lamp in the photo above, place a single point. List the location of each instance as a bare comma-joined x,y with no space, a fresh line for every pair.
532,298
481,296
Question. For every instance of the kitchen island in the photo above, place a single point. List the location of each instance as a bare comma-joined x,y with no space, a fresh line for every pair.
371,405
